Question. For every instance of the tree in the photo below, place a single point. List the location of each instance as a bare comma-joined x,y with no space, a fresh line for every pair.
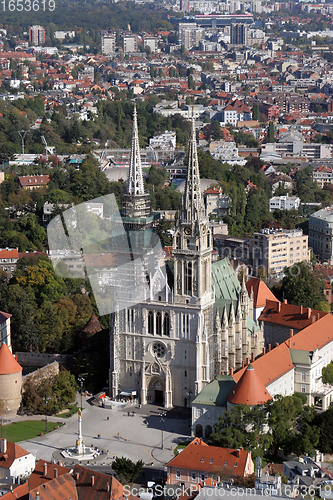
127,470
242,426
327,374
255,111
300,286
271,132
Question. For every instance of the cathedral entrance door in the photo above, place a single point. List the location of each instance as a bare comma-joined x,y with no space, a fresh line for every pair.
159,399
156,389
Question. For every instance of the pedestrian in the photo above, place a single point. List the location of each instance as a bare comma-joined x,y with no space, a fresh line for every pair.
128,413
118,435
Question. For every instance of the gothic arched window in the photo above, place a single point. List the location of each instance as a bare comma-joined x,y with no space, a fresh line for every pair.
158,323
151,322
166,325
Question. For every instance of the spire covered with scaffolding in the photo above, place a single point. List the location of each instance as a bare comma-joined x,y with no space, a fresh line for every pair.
136,199
193,206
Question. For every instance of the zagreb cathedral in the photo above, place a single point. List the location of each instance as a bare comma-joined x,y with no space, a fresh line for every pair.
192,325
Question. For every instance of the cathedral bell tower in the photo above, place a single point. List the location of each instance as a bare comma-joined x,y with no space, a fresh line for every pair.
192,243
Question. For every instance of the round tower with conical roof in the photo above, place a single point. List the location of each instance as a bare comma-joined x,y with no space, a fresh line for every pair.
249,390
10,382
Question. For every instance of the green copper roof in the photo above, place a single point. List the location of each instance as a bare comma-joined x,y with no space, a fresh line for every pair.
299,357
216,392
252,326
226,284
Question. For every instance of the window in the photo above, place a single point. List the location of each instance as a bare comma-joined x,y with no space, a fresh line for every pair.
177,474
193,476
151,322
188,278
303,388
203,459
211,461
303,376
185,373
226,462
235,464
158,323
202,477
158,350
166,325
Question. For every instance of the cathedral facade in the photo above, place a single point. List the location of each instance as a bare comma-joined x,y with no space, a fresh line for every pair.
187,329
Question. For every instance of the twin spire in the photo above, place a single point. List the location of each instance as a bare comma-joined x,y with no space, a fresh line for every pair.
193,206
135,180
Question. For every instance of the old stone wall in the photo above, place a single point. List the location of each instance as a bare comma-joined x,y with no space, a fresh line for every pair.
46,372
37,359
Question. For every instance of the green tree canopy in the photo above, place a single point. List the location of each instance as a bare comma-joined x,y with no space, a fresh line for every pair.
301,286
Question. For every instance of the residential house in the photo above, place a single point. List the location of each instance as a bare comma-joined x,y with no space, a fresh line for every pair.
217,203
322,175
284,203
15,462
8,260
199,462
33,181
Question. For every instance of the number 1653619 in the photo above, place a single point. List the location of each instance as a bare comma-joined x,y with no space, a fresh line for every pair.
27,5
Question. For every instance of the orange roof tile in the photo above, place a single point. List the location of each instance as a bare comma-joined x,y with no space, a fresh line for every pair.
261,292
8,253
60,488
315,336
38,477
270,366
249,390
99,490
199,456
8,363
19,493
289,315
13,452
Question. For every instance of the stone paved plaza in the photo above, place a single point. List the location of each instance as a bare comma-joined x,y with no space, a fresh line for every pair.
136,437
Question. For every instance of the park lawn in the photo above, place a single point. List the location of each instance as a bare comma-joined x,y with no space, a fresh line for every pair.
20,431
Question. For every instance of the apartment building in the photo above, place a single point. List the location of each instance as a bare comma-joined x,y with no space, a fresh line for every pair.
238,34
322,175
151,42
130,43
190,34
108,43
321,233
297,149
274,249
37,35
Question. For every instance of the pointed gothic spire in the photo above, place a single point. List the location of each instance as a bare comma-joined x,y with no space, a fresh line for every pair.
135,180
193,206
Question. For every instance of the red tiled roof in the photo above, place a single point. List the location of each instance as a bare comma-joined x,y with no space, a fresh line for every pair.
8,363
199,456
249,390
261,292
315,336
60,488
271,366
104,487
13,452
93,325
37,477
34,180
289,315
19,493
8,253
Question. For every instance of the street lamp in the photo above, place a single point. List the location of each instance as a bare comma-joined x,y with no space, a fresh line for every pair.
81,380
46,399
162,415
